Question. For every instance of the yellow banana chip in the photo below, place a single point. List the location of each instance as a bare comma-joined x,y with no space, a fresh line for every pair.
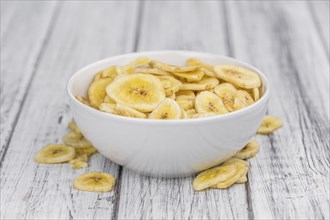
175,85
172,68
129,112
209,102
185,104
152,71
213,176
141,61
226,92
206,68
55,153
167,109
76,140
94,182
74,128
250,150
109,108
242,99
243,179
204,84
96,91
269,124
83,100
193,76
110,72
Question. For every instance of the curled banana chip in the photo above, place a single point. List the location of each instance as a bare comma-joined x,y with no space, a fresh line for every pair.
204,84
139,91
185,104
76,140
129,112
193,76
209,102
269,124
55,153
238,76
206,68
226,92
172,68
255,94
167,109
175,85
242,99
96,91
81,158
250,150
213,176
94,182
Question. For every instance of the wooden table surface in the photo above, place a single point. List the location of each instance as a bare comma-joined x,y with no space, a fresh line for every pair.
44,43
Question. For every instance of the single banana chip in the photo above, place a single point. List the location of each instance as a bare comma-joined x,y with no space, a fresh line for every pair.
109,108
213,176
96,91
152,71
167,109
185,95
55,153
76,140
193,76
94,182
107,99
74,128
243,179
141,61
204,84
139,91
174,87
206,68
129,112
255,94
110,72
209,102
234,160
250,150
172,68
269,124
226,92
83,100
242,99
185,104
97,76
238,76
204,115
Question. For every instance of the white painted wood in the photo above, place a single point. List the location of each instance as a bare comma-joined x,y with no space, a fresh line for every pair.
186,25
83,32
289,179
23,37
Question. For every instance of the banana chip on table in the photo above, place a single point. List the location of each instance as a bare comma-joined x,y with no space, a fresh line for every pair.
249,151
81,158
55,153
94,182
269,124
76,140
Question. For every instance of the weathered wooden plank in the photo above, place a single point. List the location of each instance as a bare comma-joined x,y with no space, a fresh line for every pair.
289,179
321,14
191,26
23,38
84,32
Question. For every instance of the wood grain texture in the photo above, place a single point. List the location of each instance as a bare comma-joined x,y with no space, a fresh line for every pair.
289,179
151,198
30,191
23,39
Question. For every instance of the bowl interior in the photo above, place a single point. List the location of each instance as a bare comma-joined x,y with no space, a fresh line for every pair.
79,83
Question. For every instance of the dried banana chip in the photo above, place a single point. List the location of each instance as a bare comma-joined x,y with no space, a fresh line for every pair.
226,92
184,114
269,124
242,99
238,76
94,182
124,70
141,61
185,104
110,72
172,68
83,100
129,112
55,153
142,92
108,107
96,91
167,109
81,158
76,140
74,128
209,102
107,99
243,179
153,71
175,85
213,176
206,68
255,94
250,150
204,84
185,95
193,76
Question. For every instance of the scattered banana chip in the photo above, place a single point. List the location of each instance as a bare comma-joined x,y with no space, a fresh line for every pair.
269,124
136,89
243,179
94,182
209,102
76,140
96,91
167,109
142,92
55,153
74,128
81,158
213,176
238,76
250,150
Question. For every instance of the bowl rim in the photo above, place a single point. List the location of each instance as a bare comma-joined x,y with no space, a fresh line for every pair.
119,118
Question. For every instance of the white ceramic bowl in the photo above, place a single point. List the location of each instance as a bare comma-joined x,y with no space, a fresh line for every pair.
172,148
